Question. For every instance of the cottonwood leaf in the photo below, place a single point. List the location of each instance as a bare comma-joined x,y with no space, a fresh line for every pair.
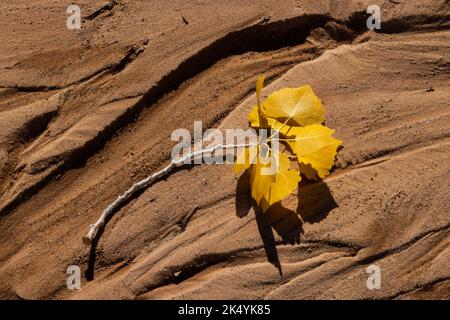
269,186
270,189
254,120
256,117
296,114
267,123
245,158
314,145
298,106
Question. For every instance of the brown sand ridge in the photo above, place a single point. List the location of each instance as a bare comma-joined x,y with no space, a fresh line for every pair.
85,114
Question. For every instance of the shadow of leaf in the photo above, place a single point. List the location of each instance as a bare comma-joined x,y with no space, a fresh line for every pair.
285,222
244,201
315,201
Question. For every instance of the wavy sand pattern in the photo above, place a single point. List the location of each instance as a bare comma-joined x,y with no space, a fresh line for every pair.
85,114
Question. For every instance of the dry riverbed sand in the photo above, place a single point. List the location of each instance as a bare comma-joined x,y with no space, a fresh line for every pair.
86,113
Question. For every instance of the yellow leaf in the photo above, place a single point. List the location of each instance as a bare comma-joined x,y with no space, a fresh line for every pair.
253,118
297,114
314,145
256,117
300,106
268,189
273,124
259,87
245,159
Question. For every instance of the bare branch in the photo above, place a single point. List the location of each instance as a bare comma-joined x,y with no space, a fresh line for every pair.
141,185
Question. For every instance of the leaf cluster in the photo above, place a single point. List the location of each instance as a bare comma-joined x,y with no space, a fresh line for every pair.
294,118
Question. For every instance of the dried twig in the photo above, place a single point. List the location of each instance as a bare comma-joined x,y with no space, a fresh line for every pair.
141,185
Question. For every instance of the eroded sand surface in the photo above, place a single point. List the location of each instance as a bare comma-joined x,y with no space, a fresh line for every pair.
85,114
